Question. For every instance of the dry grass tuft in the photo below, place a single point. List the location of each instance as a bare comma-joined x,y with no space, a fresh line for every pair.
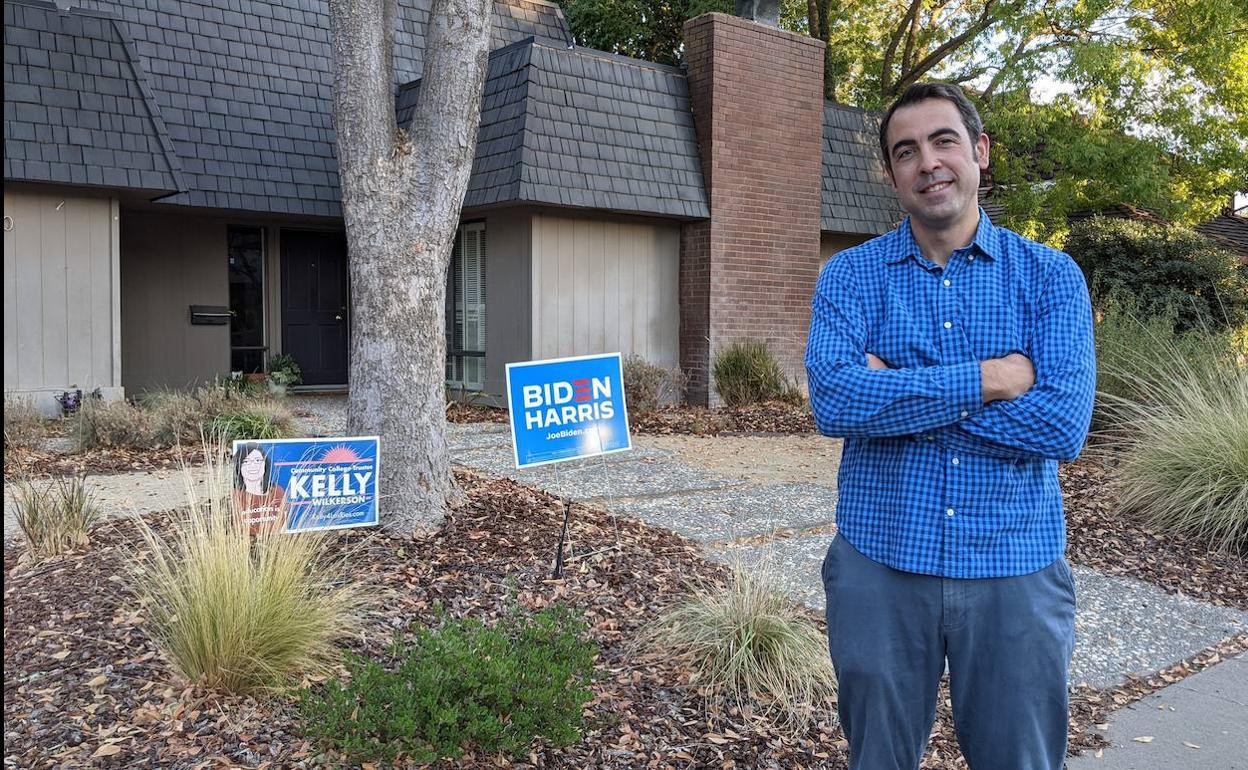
751,644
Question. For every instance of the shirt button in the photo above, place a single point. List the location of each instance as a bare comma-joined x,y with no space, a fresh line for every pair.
948,324
948,282
956,461
948,511
965,413
971,258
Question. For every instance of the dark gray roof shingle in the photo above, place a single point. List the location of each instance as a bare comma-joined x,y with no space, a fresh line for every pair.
77,108
244,90
857,197
585,129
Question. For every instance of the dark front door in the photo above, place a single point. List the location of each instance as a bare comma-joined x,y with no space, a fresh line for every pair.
314,304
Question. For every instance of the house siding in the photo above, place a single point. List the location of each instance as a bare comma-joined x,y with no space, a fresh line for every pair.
604,285
170,262
60,294
508,270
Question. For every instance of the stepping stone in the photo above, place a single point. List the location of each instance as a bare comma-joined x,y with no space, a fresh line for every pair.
793,565
1126,626
738,512
640,472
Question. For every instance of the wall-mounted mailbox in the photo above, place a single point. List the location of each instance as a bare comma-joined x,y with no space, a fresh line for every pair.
209,315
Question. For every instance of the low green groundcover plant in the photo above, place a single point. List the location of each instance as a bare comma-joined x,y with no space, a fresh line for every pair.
462,686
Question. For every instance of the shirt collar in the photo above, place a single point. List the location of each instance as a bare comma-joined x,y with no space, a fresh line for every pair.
903,246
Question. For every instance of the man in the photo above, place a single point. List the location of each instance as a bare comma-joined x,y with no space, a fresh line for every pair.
956,359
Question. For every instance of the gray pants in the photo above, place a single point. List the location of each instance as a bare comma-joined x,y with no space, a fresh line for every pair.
1008,642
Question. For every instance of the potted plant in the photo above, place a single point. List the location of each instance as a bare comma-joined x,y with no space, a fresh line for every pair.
284,371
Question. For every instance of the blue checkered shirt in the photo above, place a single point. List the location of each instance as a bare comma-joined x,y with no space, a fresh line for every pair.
932,480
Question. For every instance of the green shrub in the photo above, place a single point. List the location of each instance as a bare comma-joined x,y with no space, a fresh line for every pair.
55,516
284,370
112,424
648,386
1180,439
257,420
237,612
749,642
747,373
23,424
1169,269
464,685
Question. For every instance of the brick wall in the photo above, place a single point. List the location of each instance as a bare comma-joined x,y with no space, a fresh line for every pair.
757,98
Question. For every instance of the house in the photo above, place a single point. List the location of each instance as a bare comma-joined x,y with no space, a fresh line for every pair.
171,207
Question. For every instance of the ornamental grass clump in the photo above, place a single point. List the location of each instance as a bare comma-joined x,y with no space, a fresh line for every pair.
238,612
464,686
112,424
648,386
1180,442
751,644
747,373
55,516
23,425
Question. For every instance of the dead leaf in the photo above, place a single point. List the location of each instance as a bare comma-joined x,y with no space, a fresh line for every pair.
107,750
1143,739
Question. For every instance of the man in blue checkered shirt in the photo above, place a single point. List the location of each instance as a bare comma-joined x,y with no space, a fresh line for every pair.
955,357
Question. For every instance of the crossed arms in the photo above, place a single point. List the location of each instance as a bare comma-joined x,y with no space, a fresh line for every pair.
1009,407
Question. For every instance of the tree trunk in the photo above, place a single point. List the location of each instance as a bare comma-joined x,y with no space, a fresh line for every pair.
401,197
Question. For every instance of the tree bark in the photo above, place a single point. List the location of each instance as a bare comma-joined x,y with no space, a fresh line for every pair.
401,196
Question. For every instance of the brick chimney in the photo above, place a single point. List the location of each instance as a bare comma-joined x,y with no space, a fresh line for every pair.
748,272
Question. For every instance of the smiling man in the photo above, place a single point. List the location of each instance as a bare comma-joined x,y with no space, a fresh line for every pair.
956,359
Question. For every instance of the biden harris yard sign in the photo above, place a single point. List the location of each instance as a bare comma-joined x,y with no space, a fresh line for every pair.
566,408
324,483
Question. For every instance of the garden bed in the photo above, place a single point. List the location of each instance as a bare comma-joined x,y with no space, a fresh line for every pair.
1101,537
85,685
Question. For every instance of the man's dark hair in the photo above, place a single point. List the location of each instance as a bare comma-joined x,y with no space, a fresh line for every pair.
918,92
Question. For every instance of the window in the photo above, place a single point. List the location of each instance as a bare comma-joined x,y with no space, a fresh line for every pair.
246,255
465,316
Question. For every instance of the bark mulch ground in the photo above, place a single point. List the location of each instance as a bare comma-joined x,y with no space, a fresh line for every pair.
460,412
1111,542
84,685
776,417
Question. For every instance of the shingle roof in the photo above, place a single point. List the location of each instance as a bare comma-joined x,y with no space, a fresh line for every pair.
583,128
1229,230
857,197
244,90
77,108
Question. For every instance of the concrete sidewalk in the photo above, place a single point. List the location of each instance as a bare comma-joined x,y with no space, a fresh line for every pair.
1200,723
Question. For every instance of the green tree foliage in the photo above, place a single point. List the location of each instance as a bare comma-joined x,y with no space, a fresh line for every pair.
1151,102
651,29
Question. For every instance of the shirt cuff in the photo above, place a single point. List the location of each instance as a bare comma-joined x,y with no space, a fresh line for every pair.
962,384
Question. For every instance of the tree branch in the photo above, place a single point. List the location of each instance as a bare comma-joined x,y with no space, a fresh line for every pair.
362,39
886,69
985,21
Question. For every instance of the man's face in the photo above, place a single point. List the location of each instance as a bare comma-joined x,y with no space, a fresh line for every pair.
935,165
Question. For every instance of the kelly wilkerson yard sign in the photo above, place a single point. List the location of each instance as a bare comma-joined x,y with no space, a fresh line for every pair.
565,408
301,485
